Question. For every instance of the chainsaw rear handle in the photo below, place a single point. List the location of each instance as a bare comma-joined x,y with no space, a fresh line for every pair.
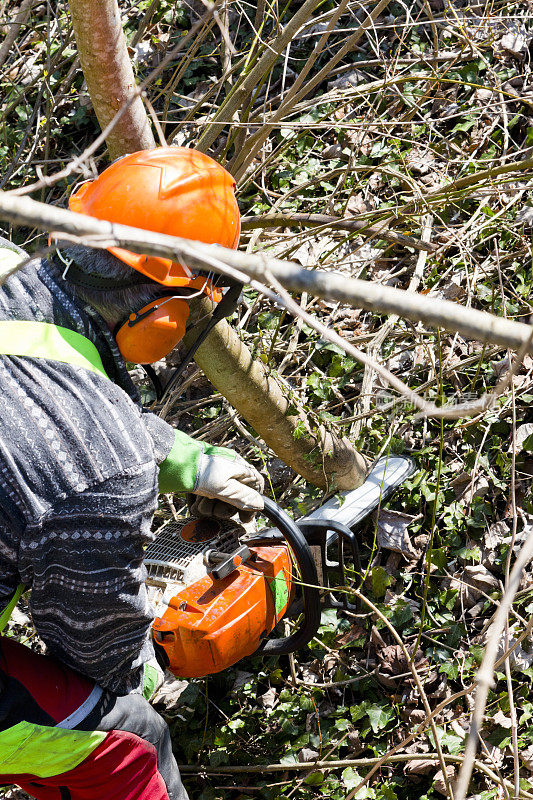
310,590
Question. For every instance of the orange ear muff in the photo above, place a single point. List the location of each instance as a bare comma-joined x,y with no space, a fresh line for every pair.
152,332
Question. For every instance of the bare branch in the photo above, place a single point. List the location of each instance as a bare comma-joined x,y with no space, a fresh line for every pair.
469,322
20,18
340,223
484,678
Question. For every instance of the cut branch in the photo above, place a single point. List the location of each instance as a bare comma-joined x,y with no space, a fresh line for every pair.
313,452
453,317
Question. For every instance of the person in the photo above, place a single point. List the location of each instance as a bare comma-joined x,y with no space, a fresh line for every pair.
81,465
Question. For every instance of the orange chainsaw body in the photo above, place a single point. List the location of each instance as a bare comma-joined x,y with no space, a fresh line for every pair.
212,624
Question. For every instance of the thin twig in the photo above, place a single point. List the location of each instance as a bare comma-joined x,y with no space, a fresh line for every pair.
337,223
484,677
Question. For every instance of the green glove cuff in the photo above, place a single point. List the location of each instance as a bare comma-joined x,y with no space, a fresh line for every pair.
177,473
151,680
224,452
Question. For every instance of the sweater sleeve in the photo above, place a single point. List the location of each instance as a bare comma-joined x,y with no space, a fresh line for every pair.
84,564
161,434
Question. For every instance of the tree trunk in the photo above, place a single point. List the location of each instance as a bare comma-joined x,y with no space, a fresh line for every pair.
320,457
109,75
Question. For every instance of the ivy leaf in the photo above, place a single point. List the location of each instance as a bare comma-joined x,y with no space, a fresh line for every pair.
218,757
454,744
315,778
450,668
235,724
350,778
381,580
379,717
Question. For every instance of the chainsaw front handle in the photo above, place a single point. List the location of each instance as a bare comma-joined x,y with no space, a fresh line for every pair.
310,588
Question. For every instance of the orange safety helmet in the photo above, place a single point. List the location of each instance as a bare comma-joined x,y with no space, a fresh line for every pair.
172,190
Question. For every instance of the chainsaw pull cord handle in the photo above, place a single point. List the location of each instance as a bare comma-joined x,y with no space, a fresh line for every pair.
310,589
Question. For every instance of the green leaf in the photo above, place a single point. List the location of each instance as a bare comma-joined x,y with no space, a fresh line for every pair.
477,652
315,778
299,429
450,668
454,744
381,580
464,126
350,778
328,619
342,725
358,712
379,717
439,557
387,792
289,758
528,444
218,757
467,553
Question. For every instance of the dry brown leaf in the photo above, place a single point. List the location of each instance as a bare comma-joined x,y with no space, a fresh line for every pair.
354,741
169,692
502,720
526,756
392,532
523,432
356,632
269,699
438,782
306,754
471,584
420,766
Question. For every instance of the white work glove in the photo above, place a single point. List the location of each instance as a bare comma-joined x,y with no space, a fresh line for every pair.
226,482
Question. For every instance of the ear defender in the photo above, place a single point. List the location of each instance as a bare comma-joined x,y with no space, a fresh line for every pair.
150,333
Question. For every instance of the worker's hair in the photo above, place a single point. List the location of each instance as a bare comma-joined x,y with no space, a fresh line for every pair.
113,305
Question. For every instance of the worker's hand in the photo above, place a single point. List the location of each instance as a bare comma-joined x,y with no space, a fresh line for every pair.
226,482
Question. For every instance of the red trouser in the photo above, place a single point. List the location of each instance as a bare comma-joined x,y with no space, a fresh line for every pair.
93,744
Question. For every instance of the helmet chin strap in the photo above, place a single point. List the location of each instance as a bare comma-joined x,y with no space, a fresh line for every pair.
225,308
86,280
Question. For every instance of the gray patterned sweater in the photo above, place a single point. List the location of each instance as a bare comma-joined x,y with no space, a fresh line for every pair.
78,488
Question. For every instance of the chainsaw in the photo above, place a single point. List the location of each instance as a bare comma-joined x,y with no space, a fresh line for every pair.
220,592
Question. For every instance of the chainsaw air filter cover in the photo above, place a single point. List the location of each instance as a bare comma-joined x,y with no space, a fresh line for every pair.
216,598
